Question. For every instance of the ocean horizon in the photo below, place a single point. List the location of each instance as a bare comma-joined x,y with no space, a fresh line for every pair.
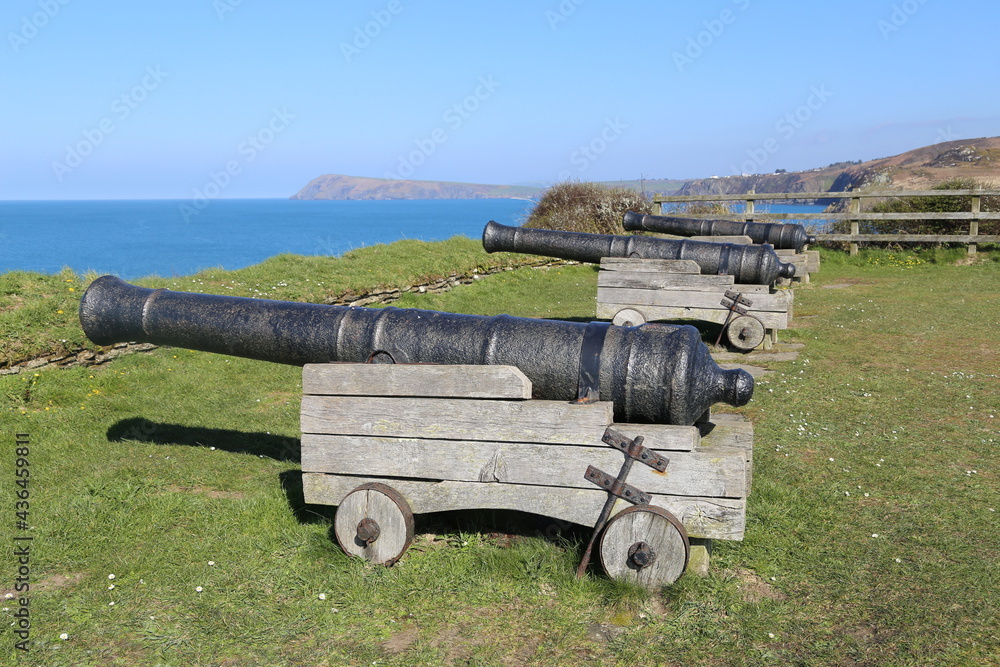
133,238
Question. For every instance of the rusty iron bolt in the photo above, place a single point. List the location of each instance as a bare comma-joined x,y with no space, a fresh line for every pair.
368,530
641,555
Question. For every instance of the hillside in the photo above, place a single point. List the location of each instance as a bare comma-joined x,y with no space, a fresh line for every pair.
919,169
336,186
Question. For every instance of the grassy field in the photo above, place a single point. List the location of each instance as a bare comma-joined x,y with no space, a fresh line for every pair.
168,525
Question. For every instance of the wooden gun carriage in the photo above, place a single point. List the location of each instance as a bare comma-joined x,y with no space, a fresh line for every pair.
381,440
636,291
385,441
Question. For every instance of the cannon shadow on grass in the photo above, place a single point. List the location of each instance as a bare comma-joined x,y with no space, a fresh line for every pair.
500,526
277,447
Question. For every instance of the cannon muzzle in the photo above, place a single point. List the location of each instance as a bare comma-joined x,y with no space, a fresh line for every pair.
782,237
654,373
748,264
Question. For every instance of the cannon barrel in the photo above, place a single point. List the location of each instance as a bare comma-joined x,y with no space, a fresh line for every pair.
750,264
781,236
654,373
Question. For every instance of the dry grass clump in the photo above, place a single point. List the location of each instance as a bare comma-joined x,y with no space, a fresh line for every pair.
705,208
575,206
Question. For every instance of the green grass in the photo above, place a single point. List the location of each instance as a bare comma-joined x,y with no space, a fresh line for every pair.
152,465
38,313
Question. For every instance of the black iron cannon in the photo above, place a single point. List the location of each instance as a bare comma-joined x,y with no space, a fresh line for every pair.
781,236
659,374
748,264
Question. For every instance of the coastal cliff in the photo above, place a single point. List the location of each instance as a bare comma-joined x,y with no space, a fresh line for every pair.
918,169
336,186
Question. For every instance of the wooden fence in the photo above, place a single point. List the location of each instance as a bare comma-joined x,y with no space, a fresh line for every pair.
854,214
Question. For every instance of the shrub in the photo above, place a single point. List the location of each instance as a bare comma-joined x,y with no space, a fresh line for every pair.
575,206
705,208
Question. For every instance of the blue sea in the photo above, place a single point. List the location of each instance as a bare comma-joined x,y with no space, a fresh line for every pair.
135,238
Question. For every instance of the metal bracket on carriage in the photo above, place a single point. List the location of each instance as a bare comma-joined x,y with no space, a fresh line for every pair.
616,486
733,302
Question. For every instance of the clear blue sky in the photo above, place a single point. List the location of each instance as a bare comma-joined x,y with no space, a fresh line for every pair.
109,100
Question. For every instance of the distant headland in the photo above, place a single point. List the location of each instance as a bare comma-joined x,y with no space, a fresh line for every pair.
917,169
336,186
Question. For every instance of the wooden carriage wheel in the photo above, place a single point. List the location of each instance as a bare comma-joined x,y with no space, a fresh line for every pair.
628,317
374,522
646,545
745,332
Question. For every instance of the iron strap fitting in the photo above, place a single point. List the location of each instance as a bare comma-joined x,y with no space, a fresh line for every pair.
733,302
589,386
724,259
616,486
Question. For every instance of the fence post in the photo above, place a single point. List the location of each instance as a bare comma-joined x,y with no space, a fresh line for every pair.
657,205
855,208
974,224
748,206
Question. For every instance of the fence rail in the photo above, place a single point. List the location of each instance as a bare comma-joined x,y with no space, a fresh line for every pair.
854,215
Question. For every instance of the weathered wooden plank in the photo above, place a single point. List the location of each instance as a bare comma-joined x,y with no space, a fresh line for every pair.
711,518
776,217
662,436
659,265
427,380
668,281
912,238
731,432
451,419
737,240
767,196
703,473
607,311
774,302
813,261
788,255
728,430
